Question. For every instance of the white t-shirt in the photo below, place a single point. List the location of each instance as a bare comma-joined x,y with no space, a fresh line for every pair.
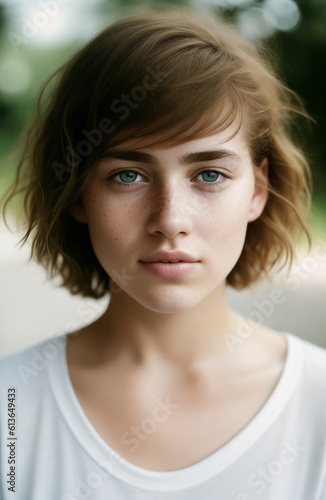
58,455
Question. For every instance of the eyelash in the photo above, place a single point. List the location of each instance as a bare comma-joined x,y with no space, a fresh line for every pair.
205,183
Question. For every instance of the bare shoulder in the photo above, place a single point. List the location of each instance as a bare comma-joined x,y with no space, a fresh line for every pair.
272,343
261,346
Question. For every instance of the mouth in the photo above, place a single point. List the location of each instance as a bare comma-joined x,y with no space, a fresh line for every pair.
170,264
170,261
169,257
170,269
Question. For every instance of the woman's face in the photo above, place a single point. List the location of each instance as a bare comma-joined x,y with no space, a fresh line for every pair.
143,207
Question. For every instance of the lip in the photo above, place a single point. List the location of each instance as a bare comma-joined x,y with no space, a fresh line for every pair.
170,270
153,263
163,255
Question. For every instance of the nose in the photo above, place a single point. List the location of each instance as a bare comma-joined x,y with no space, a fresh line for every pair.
171,213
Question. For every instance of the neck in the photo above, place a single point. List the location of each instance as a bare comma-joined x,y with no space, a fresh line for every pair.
185,340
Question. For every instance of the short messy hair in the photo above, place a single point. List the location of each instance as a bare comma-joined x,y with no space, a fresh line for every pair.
159,78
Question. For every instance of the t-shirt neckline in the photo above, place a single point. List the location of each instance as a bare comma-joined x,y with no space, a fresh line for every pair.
192,475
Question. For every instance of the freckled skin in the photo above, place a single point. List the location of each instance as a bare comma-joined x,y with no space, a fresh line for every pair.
172,213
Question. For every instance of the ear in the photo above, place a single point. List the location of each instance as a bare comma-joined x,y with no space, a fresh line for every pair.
260,196
78,212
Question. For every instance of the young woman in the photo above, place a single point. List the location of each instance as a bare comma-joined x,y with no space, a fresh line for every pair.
159,170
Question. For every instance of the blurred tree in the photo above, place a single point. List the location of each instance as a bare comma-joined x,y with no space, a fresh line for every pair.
5,108
302,54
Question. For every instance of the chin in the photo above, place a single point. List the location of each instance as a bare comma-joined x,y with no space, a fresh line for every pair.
169,302
168,308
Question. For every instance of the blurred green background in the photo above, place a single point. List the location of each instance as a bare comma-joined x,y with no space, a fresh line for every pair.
38,36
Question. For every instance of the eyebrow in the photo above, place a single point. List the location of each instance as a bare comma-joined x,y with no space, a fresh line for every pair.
187,159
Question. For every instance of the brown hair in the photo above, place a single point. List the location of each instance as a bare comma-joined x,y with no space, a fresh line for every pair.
176,66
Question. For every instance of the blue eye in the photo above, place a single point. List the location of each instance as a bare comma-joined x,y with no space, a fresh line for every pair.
127,176
210,175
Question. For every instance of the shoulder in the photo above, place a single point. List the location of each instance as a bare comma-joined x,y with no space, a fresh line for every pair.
310,361
313,354
304,354
30,364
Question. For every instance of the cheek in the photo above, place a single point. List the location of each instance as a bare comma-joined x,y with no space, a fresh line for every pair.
228,215
227,234
111,225
225,230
